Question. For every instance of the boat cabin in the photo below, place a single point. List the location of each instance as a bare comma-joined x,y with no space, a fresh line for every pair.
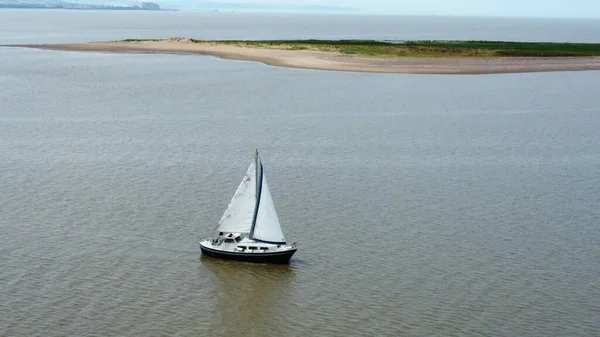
251,249
239,243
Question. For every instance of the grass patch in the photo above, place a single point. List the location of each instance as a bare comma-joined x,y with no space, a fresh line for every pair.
426,48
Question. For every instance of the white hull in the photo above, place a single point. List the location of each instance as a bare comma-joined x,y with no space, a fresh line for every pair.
245,246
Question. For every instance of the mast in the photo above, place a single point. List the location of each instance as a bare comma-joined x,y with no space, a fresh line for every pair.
256,174
258,180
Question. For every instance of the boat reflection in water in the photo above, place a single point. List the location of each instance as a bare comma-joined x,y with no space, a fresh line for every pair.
252,299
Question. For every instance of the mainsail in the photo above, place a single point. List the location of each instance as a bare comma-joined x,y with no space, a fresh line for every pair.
240,212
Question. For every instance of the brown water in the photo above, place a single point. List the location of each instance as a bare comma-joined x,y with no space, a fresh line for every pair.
422,205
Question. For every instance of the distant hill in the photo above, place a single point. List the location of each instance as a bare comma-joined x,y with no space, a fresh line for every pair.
283,6
58,4
179,4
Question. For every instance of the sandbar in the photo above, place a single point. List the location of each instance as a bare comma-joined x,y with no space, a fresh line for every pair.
333,61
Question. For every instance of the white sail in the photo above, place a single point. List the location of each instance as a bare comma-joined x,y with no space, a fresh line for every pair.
240,212
267,227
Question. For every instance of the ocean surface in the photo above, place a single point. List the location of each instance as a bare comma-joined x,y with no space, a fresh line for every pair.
423,205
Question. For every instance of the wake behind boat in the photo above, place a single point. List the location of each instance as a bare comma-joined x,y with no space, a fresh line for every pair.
249,230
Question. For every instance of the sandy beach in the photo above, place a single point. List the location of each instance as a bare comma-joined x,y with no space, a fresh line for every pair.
308,59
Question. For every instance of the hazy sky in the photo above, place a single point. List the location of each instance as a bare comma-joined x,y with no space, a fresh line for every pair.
552,8
521,8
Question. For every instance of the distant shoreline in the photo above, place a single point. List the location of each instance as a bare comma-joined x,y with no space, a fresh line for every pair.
307,56
40,4
126,9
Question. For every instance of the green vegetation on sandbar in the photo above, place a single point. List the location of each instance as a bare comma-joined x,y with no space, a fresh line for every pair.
422,48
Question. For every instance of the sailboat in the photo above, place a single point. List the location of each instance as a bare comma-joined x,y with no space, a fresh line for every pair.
249,230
